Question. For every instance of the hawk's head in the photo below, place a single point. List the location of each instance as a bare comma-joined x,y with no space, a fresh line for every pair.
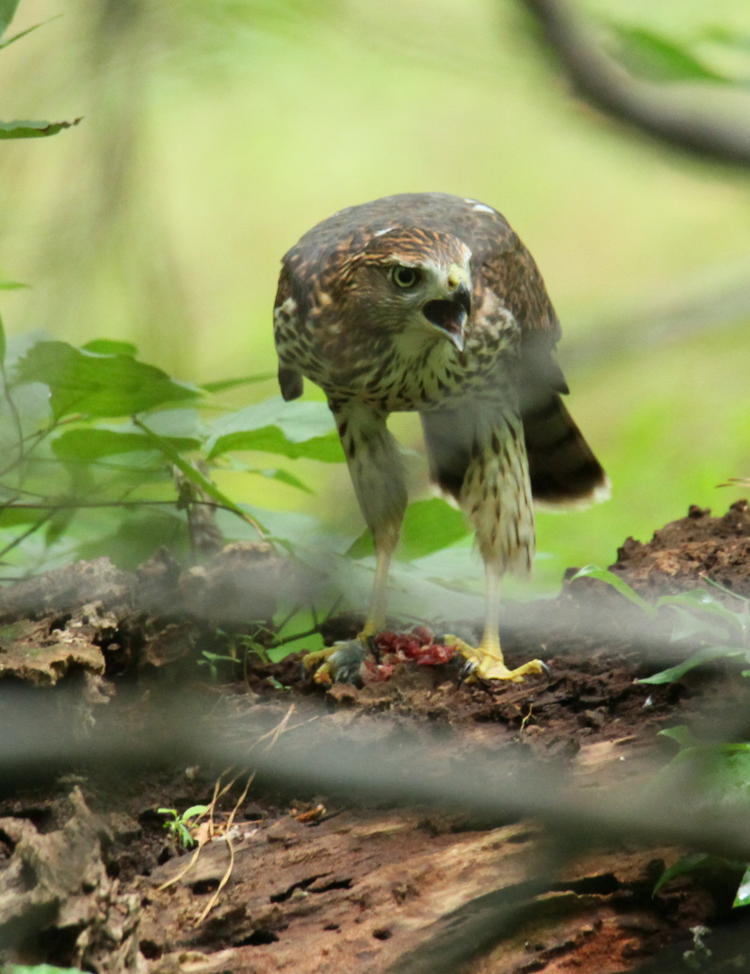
411,281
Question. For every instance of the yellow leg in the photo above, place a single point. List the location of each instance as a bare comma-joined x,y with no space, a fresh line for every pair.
376,612
487,658
323,661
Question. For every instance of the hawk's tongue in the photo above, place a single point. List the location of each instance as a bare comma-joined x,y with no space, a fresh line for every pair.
450,316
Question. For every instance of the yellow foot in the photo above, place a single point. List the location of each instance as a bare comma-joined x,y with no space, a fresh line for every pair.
319,661
341,661
488,663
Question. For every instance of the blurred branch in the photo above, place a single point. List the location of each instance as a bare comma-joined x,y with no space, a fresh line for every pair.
374,763
689,313
597,80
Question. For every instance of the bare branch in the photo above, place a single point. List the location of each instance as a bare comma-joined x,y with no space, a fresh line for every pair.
599,81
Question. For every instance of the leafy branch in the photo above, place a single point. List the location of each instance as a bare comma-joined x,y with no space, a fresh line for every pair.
94,429
25,129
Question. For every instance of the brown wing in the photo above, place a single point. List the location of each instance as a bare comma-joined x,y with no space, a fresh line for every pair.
562,466
290,380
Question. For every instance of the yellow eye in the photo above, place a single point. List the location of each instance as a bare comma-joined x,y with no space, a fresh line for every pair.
405,277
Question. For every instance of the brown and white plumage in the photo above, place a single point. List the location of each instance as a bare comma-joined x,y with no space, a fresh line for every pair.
430,302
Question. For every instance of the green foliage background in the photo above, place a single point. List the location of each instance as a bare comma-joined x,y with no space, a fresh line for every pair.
215,133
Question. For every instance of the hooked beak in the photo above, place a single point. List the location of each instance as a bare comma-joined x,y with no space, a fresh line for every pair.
450,314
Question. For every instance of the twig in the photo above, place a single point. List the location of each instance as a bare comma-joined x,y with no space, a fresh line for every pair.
27,533
14,413
226,837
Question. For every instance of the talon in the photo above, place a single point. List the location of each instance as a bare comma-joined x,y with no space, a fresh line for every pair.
340,662
487,663
466,669
317,664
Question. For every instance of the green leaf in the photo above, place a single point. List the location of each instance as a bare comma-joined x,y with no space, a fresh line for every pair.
12,515
722,588
428,526
28,30
98,385
273,473
221,385
108,346
284,477
12,286
271,440
300,622
7,12
704,605
193,811
299,532
617,583
92,444
458,566
681,734
195,476
298,421
298,429
697,659
742,896
657,57
57,525
33,130
687,864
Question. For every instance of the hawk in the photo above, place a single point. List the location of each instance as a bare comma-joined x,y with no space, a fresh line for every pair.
429,302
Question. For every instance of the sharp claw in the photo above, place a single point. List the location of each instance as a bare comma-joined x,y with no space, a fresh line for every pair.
338,663
487,662
466,668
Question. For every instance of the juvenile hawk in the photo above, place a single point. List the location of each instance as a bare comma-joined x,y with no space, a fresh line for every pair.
430,302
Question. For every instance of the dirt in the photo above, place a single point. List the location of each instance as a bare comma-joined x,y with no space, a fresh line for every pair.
320,852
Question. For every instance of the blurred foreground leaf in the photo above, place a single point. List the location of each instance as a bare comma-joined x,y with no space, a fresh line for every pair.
742,897
697,659
617,583
33,130
98,385
297,429
108,346
657,57
701,863
23,33
7,12
429,525
92,444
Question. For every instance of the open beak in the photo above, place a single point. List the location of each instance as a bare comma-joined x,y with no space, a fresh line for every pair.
450,314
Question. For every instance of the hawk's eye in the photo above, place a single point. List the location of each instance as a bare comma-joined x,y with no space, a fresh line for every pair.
405,276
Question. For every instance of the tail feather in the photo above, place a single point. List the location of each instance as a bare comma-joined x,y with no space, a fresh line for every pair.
562,466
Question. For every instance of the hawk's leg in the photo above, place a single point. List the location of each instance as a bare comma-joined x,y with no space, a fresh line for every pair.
486,660
477,453
378,478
